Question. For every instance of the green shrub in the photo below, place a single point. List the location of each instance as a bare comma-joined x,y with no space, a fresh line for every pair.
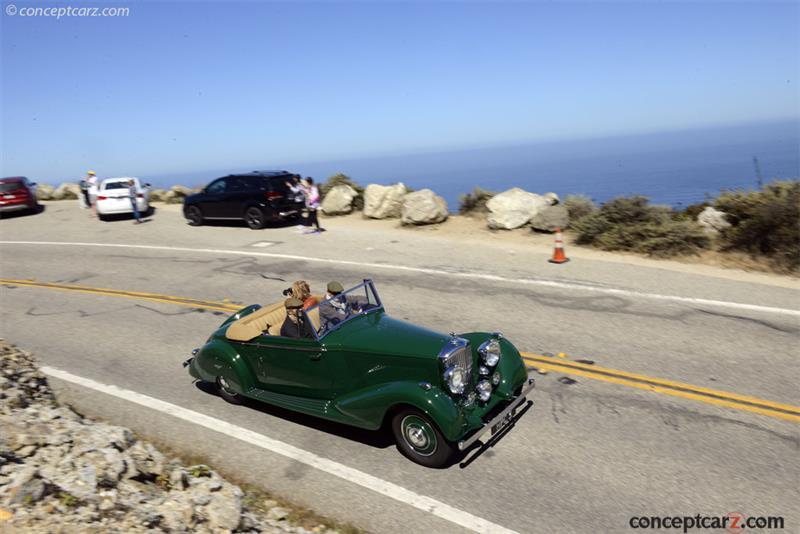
578,207
343,179
475,202
630,223
691,211
765,222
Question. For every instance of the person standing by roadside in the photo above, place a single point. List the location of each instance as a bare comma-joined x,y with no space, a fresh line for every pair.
93,183
312,203
85,204
132,194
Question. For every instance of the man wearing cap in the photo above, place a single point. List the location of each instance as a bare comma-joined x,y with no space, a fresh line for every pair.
295,324
85,189
336,307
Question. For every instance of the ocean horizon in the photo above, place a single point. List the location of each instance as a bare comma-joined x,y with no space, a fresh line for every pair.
675,168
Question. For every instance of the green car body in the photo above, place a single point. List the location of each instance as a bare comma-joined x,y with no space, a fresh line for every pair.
365,370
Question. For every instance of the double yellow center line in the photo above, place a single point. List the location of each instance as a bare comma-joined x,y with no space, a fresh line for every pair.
542,362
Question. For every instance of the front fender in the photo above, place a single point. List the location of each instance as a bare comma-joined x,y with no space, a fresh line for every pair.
218,358
511,365
368,407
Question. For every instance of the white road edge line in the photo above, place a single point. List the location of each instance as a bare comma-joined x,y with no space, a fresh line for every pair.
424,270
393,491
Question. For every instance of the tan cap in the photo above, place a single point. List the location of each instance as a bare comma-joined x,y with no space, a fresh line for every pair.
292,303
335,287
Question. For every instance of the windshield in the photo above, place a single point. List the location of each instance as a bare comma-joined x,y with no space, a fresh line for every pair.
115,185
5,187
332,313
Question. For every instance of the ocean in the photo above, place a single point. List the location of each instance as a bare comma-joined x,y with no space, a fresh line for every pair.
673,168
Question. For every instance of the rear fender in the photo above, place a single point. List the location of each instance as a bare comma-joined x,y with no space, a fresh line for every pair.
368,407
241,313
218,358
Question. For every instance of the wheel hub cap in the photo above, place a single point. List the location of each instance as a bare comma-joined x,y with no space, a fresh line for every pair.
419,435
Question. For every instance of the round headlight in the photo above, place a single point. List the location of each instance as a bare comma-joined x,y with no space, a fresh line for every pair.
484,389
490,351
469,400
456,379
496,378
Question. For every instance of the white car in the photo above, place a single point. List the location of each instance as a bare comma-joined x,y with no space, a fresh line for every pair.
112,197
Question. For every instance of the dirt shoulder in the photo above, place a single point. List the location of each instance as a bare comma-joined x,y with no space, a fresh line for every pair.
473,230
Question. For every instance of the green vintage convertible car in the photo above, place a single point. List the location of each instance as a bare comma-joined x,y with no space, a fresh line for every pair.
439,393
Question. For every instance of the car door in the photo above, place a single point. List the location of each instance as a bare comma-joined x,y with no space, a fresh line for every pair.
298,367
213,196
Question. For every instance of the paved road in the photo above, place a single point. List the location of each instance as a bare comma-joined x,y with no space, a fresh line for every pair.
586,458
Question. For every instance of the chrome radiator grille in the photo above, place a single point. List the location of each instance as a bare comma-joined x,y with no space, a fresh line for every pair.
458,352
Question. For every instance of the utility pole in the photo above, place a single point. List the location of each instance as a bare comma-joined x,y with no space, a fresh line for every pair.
758,172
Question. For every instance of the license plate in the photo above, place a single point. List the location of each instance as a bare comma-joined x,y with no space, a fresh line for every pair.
8,196
504,422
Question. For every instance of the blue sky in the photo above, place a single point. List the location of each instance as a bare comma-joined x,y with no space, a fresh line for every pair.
180,86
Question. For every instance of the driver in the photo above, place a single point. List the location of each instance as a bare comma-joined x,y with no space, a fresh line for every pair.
295,324
336,307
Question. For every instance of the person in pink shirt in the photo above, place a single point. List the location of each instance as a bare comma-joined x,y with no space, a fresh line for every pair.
312,202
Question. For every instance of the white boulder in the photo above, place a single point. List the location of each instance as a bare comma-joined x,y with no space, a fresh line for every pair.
384,201
423,207
712,220
66,191
339,200
513,208
552,198
550,218
44,192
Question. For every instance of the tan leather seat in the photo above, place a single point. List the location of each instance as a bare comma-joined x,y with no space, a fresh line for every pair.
269,318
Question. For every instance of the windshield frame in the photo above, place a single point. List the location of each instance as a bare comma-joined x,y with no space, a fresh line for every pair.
377,307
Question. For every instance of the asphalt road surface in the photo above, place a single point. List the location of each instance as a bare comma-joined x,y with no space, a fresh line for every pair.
594,450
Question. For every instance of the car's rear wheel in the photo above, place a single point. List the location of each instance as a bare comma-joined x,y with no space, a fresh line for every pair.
254,218
227,392
420,440
194,216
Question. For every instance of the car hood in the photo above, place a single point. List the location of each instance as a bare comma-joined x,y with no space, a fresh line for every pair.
377,333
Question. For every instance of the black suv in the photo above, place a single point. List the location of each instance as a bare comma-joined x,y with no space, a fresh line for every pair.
256,197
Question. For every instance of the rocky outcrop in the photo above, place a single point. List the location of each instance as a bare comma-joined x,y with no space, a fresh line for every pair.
384,201
176,194
513,208
339,200
157,195
550,217
713,220
62,473
66,191
423,207
44,192
551,198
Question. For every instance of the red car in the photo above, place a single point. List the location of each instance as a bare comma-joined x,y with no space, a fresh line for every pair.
17,193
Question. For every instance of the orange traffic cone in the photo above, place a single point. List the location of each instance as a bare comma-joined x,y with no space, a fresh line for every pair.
558,251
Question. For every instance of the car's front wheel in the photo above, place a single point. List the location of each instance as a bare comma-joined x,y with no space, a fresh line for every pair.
227,392
420,440
254,218
194,216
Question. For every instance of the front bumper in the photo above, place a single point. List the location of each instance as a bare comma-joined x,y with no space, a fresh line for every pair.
503,417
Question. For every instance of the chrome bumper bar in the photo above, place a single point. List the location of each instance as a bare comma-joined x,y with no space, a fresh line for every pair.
529,385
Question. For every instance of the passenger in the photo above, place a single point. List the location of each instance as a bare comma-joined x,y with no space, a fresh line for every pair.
302,291
295,325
